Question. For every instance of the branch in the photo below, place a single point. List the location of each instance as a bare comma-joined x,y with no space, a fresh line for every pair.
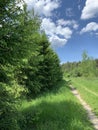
6,49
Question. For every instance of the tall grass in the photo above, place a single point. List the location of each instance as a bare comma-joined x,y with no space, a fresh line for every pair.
58,110
90,84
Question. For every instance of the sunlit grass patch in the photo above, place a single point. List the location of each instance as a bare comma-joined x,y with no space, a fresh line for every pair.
89,96
58,110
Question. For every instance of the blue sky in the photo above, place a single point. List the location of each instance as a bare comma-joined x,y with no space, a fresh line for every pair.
71,26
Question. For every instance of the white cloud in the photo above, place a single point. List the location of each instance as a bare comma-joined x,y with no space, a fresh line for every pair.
48,26
43,7
71,23
64,31
90,9
58,35
56,41
90,27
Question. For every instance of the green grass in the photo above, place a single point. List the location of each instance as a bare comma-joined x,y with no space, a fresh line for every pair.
90,84
58,110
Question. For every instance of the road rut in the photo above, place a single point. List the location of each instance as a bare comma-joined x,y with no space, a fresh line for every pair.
92,117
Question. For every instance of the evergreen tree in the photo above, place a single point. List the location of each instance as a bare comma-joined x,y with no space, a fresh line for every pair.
49,66
17,41
26,59
17,27
43,70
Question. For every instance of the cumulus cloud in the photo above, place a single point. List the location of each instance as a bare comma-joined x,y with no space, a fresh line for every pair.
58,35
90,9
90,27
71,23
59,31
48,26
57,41
43,7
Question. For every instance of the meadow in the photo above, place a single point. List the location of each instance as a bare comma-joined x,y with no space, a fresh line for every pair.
56,110
88,88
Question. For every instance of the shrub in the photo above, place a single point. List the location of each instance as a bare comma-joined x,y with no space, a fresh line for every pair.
8,112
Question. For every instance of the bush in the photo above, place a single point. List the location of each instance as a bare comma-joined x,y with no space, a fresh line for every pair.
29,119
8,112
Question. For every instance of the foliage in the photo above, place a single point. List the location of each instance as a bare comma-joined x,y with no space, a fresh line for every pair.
29,118
17,27
88,67
42,70
50,70
8,112
27,63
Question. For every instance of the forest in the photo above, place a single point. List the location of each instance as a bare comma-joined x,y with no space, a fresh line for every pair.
34,86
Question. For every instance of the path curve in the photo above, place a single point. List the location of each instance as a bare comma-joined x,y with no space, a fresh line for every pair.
92,117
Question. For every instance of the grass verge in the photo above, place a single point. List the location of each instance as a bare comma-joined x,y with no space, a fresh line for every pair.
89,96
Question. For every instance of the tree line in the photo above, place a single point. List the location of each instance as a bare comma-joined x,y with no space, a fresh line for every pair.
88,67
28,65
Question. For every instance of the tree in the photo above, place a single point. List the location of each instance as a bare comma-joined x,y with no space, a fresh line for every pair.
26,60
17,41
50,70
43,70
17,27
88,65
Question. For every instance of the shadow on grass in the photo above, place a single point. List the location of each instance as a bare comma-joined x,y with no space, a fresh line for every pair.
55,115
52,90
58,87
66,115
